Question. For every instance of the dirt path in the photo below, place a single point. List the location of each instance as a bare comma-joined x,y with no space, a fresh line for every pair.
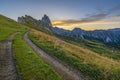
65,71
7,63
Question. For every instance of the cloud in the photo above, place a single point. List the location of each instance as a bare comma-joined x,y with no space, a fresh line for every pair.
91,17
95,17
114,8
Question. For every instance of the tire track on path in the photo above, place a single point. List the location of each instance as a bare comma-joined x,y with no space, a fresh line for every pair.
7,62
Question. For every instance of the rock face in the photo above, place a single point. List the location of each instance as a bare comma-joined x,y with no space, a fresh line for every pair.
45,23
46,20
111,36
21,20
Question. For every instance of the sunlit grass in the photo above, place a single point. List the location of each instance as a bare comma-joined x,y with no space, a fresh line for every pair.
95,46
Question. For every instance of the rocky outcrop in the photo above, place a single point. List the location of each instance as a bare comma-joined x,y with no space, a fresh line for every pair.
46,20
45,23
21,20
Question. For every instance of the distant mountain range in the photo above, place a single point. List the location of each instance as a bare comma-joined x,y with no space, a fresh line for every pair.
111,36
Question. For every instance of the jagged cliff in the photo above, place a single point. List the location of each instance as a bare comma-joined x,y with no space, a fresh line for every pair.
46,20
44,24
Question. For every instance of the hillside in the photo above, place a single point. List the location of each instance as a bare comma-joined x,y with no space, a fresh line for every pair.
95,46
88,57
83,58
29,65
8,27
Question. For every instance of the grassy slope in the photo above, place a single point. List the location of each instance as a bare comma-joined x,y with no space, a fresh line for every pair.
89,63
30,66
8,27
97,47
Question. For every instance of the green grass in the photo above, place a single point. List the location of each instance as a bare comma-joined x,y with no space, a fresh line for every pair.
8,27
95,46
85,61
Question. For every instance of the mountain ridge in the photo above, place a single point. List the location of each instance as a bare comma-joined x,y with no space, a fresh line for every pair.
43,24
110,36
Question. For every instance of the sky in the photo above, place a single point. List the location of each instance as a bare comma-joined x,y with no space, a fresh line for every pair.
67,14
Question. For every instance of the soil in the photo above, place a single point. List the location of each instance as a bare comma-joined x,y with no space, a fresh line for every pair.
8,69
7,65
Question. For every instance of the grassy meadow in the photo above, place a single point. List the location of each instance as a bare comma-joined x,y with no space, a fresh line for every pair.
84,60
95,46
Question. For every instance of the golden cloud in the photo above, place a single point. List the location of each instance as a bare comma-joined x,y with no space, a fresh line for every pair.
102,24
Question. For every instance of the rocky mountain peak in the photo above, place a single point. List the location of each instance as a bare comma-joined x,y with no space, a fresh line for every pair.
43,23
77,29
21,20
46,20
